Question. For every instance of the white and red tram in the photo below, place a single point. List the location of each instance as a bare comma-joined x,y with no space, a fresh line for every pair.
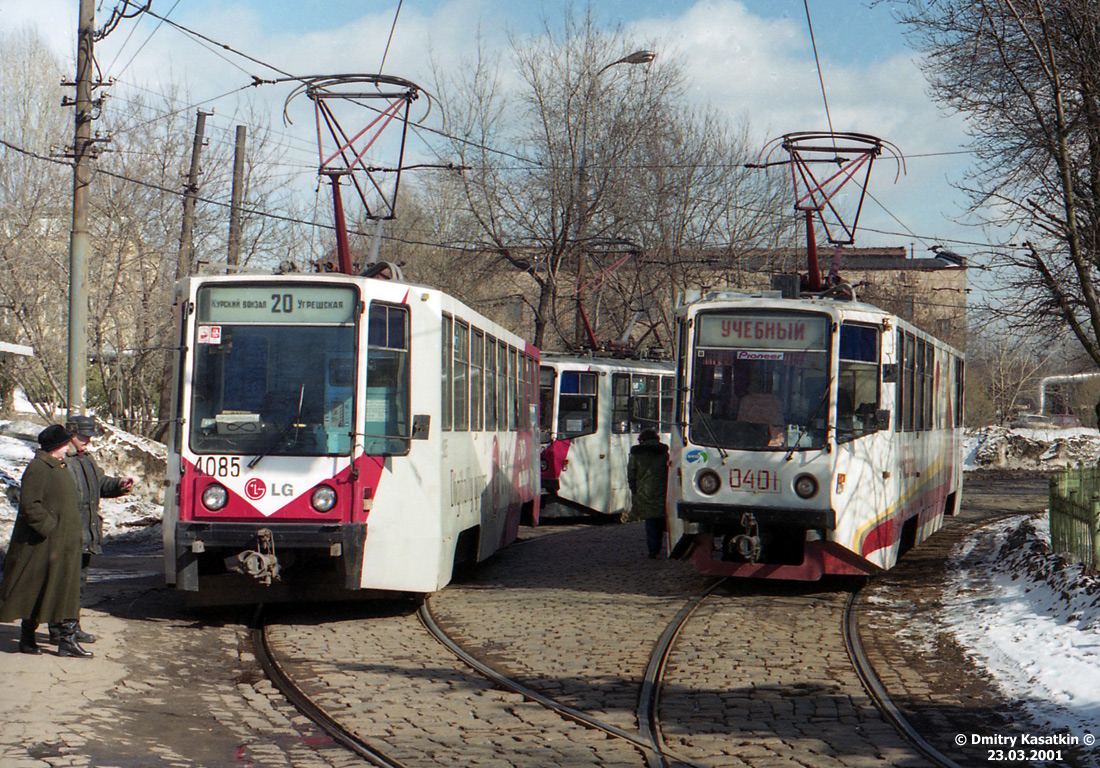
812,436
336,434
591,410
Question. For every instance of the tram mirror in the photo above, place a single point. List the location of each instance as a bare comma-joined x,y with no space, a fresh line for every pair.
421,425
890,373
882,419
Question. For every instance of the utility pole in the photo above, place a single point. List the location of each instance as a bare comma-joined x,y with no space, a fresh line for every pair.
83,154
233,258
191,191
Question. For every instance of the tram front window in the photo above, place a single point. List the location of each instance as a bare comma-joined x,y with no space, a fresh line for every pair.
760,381
263,389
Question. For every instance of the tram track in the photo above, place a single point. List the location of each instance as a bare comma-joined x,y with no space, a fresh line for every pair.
647,739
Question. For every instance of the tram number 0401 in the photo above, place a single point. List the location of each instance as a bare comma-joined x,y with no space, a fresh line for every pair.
757,481
219,466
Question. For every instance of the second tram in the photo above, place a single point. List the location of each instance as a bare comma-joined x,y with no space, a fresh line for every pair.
812,436
591,411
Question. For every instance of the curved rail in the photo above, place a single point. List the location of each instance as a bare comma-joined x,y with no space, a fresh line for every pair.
310,709
649,698
869,678
654,751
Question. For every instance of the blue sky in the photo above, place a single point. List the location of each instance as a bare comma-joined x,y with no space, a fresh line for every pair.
751,59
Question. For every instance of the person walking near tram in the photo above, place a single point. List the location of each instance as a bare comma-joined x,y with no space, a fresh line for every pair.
92,484
42,570
647,476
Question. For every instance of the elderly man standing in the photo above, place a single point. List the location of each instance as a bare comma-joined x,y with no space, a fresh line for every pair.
92,484
42,571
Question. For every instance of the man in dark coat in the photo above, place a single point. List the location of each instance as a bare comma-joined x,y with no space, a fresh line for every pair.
42,569
647,475
92,484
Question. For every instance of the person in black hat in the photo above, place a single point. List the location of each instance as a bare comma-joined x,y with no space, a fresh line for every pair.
42,570
92,484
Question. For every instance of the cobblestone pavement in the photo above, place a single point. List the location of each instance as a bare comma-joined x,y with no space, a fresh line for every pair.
758,678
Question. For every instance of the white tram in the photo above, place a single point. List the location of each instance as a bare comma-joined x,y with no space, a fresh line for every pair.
591,410
812,436
336,434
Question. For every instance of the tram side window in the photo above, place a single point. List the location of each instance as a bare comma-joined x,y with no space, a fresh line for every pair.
502,386
577,404
620,403
387,425
461,383
668,398
929,384
645,406
448,341
513,391
857,398
547,379
918,386
960,367
908,364
490,384
477,361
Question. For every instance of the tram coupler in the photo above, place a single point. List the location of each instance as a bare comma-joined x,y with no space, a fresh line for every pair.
260,563
747,545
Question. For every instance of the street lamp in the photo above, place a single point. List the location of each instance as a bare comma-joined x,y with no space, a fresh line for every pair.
637,57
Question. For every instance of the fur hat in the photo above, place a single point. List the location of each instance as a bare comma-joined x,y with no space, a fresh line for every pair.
53,437
84,426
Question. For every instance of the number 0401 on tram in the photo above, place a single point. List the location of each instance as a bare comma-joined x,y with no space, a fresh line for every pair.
811,436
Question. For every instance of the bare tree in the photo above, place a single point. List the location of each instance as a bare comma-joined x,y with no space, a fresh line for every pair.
1027,74
594,155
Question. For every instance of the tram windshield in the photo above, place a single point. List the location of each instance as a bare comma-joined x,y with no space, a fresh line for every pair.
274,370
760,380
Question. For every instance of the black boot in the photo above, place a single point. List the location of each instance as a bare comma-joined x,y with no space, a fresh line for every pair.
69,646
55,632
82,636
27,641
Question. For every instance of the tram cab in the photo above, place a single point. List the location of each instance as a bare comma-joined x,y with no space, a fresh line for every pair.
812,436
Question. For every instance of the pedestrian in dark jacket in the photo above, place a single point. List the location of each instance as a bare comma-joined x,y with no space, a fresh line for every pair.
92,484
647,475
42,570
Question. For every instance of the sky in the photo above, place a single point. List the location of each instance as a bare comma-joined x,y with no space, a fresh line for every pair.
750,59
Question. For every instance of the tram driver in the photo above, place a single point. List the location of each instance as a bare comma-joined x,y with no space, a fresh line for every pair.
761,406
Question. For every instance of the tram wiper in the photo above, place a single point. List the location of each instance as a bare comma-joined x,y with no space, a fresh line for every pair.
809,420
283,432
705,421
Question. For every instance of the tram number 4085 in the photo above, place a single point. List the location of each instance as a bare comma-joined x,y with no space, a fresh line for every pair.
219,466
756,481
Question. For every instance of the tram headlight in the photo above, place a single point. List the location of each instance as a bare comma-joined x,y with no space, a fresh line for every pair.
805,486
215,497
544,465
323,498
708,482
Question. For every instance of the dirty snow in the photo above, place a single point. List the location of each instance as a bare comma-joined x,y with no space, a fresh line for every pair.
1028,618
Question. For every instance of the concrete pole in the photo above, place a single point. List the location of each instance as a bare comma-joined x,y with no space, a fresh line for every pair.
79,241
233,258
191,191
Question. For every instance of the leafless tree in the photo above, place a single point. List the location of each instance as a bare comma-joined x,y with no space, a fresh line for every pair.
592,156
1027,74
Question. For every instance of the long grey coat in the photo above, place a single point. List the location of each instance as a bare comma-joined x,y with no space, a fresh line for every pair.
42,570
92,484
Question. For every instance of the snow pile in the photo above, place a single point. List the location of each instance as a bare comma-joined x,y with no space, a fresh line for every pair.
1030,449
1029,618
119,454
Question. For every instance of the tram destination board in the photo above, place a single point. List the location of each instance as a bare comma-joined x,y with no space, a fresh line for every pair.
279,303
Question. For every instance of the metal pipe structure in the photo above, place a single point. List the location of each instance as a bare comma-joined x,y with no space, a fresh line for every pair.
1058,380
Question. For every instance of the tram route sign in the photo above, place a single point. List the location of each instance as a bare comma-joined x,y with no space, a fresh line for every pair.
277,303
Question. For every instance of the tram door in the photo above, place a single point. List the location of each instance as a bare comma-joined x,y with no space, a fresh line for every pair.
618,449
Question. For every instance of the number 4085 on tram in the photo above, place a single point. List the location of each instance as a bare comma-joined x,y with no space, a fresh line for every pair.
337,435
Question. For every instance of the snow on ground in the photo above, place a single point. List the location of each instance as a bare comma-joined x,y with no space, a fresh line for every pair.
1028,617
1031,620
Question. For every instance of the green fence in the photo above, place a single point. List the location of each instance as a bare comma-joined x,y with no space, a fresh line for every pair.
1075,513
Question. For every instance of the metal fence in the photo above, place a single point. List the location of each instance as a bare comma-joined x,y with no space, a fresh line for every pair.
1075,513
